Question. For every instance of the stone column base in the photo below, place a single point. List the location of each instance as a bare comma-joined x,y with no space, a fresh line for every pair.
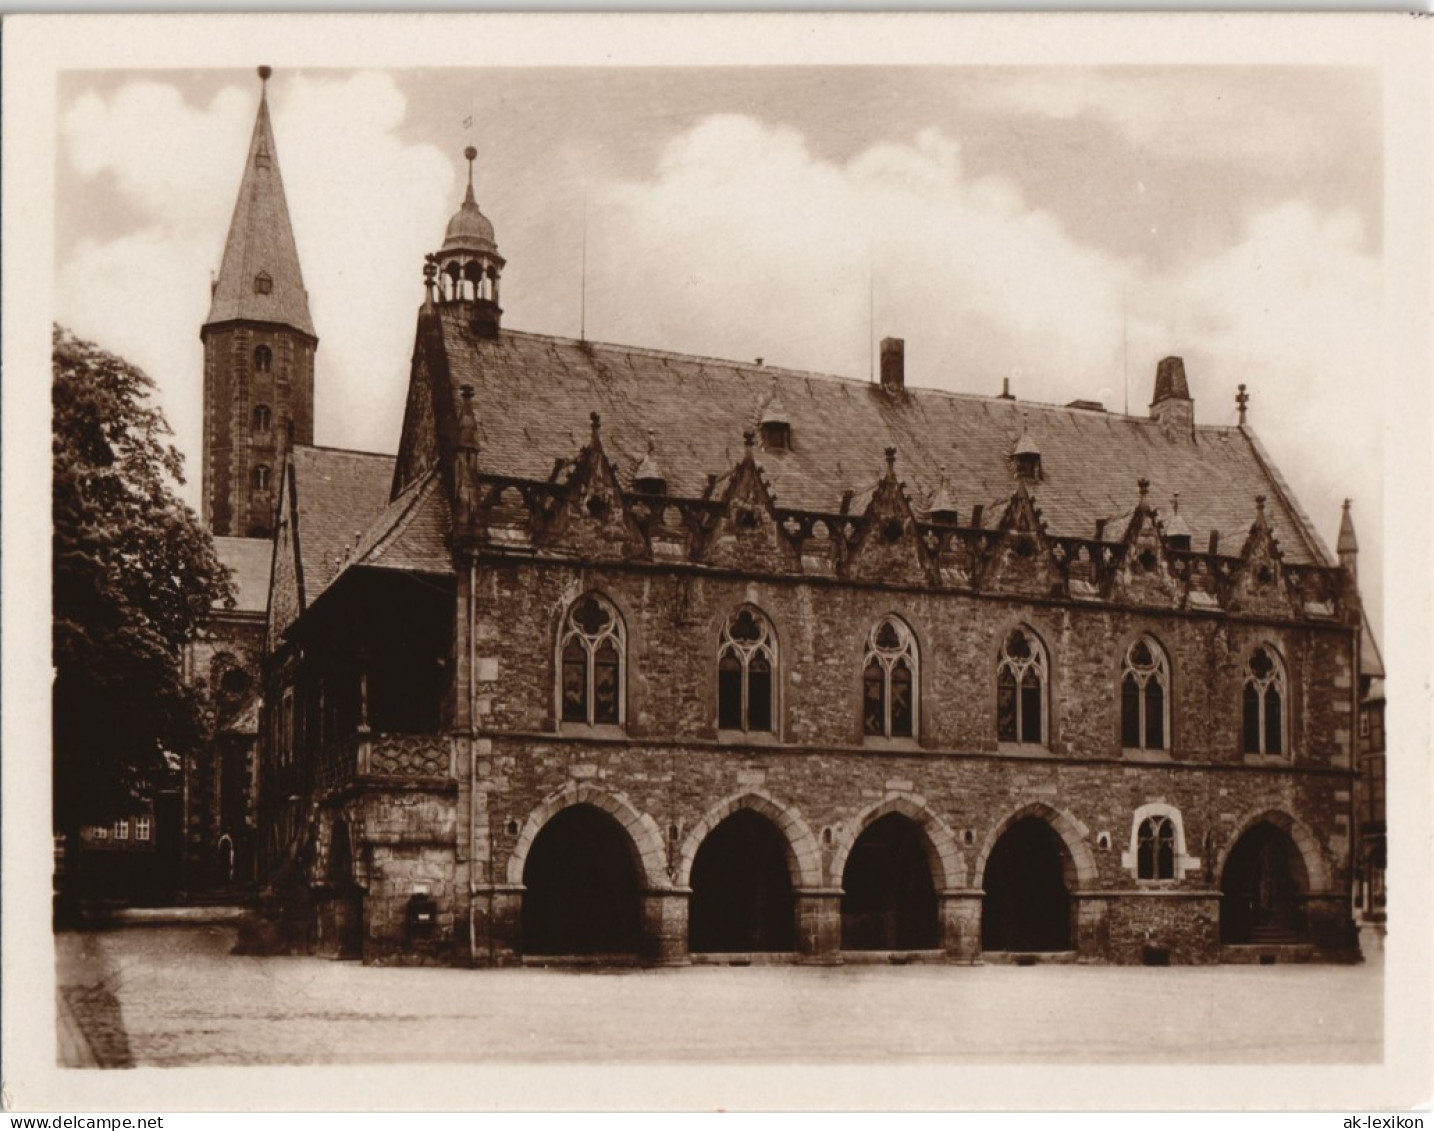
664,926
1090,927
496,925
959,912
818,913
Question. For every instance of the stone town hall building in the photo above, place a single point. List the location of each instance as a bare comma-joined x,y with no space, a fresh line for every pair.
640,655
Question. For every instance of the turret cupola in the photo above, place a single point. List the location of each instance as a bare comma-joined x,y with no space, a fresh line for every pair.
467,268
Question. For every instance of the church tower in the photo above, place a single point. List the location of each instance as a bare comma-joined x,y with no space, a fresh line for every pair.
259,345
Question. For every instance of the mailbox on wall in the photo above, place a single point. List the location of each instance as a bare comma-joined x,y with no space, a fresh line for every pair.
422,916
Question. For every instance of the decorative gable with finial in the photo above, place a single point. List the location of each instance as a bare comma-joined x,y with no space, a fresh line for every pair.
888,545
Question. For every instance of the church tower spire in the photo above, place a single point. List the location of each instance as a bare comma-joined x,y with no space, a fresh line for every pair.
259,345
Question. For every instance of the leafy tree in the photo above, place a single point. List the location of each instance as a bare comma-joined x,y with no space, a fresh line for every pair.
135,577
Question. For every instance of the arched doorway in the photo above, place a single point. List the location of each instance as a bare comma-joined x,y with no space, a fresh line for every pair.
888,899
583,894
742,889
1262,889
1027,905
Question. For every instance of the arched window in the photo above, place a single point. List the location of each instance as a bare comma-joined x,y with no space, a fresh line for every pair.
746,668
1155,849
593,652
261,418
888,681
1144,697
1021,689
1264,703
263,283
263,359
260,477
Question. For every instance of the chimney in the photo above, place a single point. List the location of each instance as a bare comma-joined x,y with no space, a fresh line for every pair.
893,364
1172,405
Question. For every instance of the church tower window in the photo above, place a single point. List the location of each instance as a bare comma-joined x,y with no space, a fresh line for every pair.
263,359
1144,697
888,681
260,477
746,666
592,655
261,418
1021,674
263,283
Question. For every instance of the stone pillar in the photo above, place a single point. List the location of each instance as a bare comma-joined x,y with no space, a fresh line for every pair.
1331,926
497,917
664,926
960,917
1090,927
819,926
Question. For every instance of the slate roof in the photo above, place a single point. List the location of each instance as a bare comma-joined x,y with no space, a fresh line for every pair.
534,394
340,495
411,533
249,561
261,239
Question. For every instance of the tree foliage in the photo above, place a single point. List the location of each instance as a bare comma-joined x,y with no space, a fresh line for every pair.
135,578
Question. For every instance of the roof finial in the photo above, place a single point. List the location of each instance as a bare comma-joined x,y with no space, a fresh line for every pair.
1144,485
1242,399
264,73
749,438
1260,505
472,155
1175,503
891,458
596,418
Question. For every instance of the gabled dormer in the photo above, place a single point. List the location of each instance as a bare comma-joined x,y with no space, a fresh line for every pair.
888,545
745,533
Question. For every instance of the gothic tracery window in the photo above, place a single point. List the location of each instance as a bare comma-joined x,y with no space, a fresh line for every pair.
1144,697
263,359
1264,703
593,652
260,478
746,667
1021,675
889,681
261,418
1155,849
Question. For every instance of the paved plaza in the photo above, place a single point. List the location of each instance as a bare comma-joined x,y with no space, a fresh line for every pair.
175,995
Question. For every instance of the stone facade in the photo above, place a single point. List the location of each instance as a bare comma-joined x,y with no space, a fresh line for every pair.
702,677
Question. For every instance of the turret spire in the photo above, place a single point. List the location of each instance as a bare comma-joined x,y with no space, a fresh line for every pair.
1348,546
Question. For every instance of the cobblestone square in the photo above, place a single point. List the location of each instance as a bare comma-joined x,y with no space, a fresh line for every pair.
170,996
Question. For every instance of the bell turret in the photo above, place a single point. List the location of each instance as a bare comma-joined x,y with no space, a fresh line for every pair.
466,269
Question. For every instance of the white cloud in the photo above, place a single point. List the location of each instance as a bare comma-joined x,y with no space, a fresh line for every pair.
743,243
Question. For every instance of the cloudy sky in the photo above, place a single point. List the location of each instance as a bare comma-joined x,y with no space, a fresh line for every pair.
1061,227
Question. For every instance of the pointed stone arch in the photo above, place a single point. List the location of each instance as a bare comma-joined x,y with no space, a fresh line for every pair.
804,857
1297,830
948,867
1078,860
643,834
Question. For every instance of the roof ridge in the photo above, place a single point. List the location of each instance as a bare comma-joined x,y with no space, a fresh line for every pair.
860,382
341,451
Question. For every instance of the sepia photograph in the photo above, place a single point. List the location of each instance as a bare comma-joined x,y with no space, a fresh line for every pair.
650,544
